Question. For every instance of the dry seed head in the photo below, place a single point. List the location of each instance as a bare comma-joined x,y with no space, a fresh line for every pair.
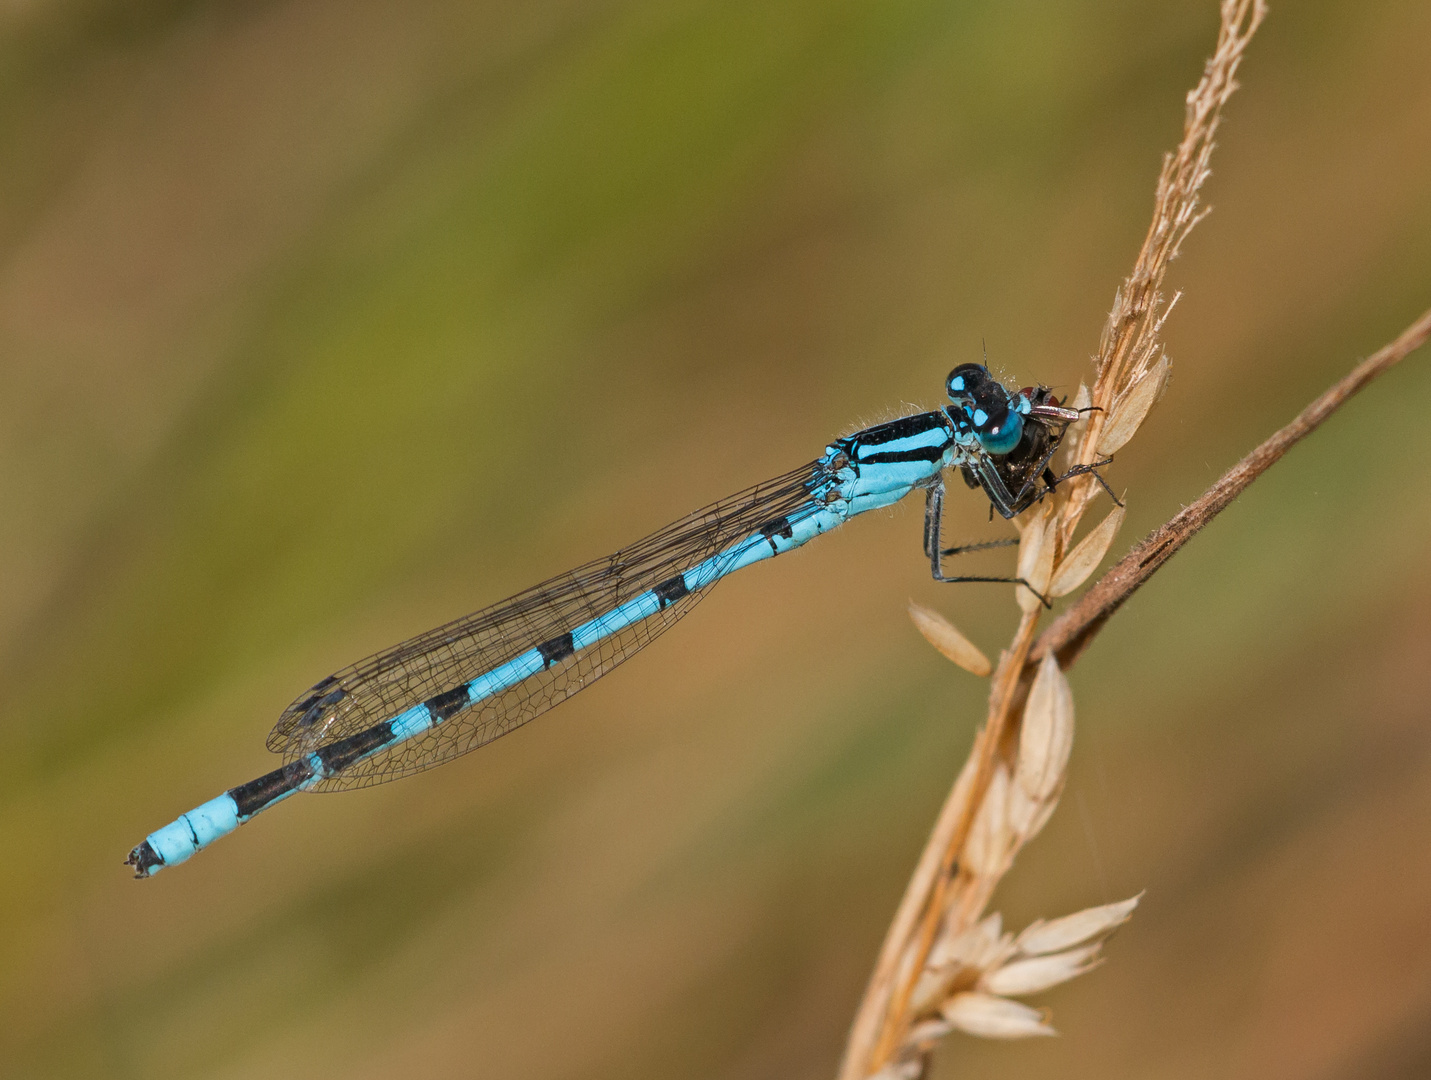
994,1017
971,974
961,959
929,1032
1038,973
932,988
987,851
1059,934
1047,736
978,946
1132,409
900,1070
1036,551
1027,815
945,637
1079,563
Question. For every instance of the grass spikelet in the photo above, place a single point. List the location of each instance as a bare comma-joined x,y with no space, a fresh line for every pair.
945,966
994,1017
1095,923
987,850
1037,548
1132,409
1076,567
1038,973
1046,735
973,976
945,636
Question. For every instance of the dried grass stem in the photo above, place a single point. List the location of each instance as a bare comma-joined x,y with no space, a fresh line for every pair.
988,816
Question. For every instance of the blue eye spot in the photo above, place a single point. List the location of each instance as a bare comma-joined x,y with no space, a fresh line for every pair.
980,417
1002,440
1024,405
957,384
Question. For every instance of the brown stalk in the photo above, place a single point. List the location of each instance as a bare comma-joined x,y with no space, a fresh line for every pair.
942,897
1069,635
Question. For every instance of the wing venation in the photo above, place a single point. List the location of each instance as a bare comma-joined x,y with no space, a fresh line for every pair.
434,664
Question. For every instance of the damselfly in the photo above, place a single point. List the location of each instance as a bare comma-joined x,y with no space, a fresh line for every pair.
460,686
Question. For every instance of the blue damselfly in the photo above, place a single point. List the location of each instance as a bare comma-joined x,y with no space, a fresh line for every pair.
458,687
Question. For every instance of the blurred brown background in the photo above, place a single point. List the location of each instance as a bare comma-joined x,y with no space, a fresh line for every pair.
322,323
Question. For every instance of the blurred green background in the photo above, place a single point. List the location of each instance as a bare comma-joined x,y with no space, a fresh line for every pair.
323,323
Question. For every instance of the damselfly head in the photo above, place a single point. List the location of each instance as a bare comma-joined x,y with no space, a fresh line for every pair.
992,410
968,382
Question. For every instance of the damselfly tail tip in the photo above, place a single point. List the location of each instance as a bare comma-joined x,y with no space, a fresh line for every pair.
145,860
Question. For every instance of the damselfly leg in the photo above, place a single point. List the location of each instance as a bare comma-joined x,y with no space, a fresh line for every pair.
933,529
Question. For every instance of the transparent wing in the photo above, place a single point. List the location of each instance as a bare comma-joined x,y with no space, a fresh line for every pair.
382,686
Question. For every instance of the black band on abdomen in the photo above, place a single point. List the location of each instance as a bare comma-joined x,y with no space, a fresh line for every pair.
252,797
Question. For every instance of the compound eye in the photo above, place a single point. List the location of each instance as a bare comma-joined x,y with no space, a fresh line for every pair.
965,380
998,434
